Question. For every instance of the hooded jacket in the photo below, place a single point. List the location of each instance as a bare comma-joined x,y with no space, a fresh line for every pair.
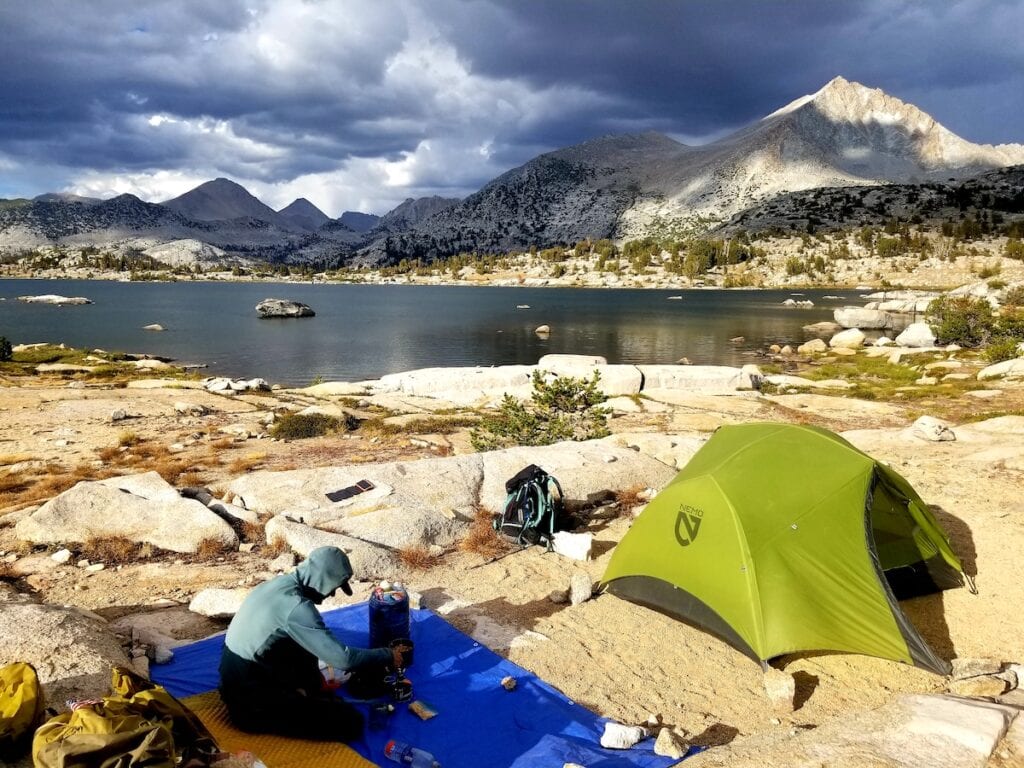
281,613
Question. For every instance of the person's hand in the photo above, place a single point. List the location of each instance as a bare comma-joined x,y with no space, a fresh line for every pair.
398,655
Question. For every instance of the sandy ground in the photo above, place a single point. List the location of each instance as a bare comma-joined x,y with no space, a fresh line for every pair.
611,656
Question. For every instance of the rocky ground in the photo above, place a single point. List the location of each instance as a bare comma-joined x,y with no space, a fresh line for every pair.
75,618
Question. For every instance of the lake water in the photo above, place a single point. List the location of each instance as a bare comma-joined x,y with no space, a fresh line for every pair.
365,331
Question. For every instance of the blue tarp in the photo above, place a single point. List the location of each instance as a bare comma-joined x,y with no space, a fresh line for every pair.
479,723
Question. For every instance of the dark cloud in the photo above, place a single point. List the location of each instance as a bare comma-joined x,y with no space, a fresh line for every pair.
400,97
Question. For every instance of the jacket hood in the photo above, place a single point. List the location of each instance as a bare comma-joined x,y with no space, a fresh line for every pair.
326,569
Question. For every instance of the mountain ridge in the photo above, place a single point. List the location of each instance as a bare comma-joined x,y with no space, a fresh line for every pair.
614,186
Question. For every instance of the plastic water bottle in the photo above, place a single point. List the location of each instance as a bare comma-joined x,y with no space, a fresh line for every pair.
405,754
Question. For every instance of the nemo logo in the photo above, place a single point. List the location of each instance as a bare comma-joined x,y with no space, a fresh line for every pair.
688,524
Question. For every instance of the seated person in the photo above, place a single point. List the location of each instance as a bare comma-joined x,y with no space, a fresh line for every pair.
270,677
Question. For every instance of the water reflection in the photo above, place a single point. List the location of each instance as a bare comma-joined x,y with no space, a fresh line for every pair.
363,332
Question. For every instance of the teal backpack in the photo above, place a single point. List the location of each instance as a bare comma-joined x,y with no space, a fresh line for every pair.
533,509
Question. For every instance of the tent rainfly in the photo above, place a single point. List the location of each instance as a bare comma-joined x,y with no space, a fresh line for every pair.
782,538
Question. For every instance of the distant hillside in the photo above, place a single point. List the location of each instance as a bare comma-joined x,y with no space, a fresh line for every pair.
222,200
303,214
996,196
359,222
121,215
413,211
65,197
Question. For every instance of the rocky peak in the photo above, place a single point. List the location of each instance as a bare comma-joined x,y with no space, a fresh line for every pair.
304,214
850,102
221,199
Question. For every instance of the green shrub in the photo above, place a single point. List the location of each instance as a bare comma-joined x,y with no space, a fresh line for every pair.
961,320
296,426
1001,348
5,349
562,408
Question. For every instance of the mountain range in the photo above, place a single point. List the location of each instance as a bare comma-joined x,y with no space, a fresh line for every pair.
622,186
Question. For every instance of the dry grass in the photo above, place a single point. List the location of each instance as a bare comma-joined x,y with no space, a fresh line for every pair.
222,443
169,469
629,498
114,550
274,547
143,451
127,438
6,459
210,549
110,455
11,483
417,557
46,482
246,463
482,539
192,479
254,533
6,572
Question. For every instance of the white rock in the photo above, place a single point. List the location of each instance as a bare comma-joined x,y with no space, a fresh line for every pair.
576,546
95,567
932,429
618,736
915,731
814,346
884,341
150,364
153,327
282,562
218,603
541,330
140,665
92,509
1010,369
283,308
71,650
781,689
191,409
705,379
118,414
61,556
553,362
368,561
856,317
581,588
51,298
851,338
916,335
669,745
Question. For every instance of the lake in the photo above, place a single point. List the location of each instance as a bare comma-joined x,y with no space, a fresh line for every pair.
365,331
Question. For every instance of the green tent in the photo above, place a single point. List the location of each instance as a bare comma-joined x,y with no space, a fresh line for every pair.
781,538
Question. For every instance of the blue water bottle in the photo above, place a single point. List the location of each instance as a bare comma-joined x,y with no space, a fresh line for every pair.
405,754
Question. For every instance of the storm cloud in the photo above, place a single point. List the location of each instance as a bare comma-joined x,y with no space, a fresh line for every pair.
358,105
